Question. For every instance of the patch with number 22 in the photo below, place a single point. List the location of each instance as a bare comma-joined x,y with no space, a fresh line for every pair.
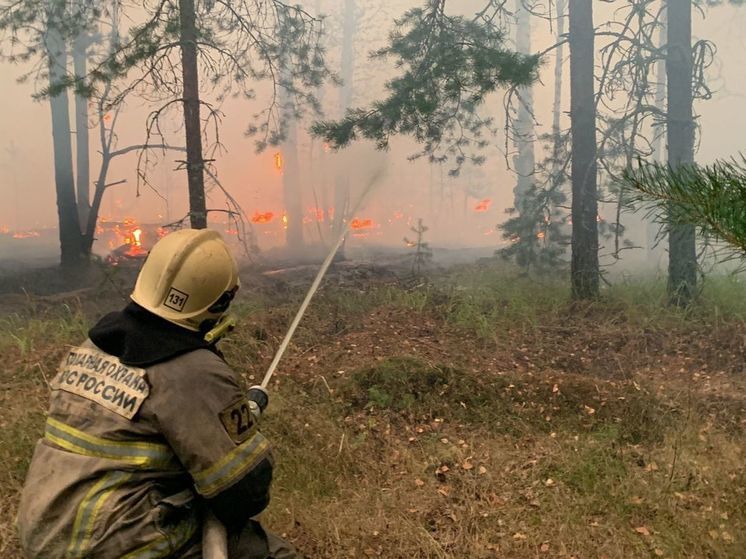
238,421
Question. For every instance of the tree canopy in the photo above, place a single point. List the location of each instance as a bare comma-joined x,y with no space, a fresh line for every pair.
449,64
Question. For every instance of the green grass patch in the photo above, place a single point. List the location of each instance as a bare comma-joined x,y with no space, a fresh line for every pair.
412,389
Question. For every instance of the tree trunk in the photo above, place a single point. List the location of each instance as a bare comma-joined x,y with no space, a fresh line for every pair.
342,180
80,55
192,120
69,224
682,251
585,267
659,148
525,160
558,67
291,183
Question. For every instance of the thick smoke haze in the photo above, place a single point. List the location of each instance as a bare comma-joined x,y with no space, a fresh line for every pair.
460,212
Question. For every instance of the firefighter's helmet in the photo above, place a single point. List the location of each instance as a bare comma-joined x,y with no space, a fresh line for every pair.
189,279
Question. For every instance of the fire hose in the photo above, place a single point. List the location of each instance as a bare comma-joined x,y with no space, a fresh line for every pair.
214,536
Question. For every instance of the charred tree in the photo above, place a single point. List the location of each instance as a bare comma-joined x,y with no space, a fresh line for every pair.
585,265
682,266
67,211
195,163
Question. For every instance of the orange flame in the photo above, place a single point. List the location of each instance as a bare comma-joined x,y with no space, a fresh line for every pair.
279,162
134,240
483,206
262,217
362,224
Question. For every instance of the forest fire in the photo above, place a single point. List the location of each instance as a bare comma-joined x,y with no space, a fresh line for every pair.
483,206
265,217
358,224
279,162
129,240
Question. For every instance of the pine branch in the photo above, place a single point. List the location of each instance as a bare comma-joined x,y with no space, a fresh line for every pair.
712,197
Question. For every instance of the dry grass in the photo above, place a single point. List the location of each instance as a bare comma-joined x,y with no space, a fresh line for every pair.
470,417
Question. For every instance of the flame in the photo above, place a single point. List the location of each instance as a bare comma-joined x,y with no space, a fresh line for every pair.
279,162
285,221
262,217
134,240
358,224
26,234
4,229
483,206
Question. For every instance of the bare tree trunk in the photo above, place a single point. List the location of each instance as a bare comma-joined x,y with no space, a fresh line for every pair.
80,55
682,250
659,148
585,267
67,212
525,160
192,120
291,184
342,180
558,67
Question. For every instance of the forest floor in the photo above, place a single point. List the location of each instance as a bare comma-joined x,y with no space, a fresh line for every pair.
472,413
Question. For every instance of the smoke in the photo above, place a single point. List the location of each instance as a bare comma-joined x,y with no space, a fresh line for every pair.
459,211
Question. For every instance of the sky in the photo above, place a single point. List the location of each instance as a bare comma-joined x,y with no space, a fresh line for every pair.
411,190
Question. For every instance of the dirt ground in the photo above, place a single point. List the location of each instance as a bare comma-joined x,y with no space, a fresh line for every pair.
470,413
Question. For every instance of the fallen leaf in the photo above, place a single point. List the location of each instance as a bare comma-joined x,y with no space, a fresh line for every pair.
418,482
518,536
642,530
550,482
545,546
482,470
589,410
467,465
658,552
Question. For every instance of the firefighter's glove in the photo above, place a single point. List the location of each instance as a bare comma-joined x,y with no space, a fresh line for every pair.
258,401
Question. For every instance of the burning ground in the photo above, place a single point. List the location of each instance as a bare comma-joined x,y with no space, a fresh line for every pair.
473,413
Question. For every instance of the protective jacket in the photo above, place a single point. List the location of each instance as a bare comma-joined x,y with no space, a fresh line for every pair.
147,426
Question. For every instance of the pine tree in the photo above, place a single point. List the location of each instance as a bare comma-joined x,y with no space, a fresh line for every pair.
682,251
585,272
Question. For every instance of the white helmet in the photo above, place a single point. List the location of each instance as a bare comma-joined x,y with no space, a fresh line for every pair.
188,278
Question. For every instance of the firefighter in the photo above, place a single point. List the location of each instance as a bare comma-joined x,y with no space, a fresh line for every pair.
148,428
